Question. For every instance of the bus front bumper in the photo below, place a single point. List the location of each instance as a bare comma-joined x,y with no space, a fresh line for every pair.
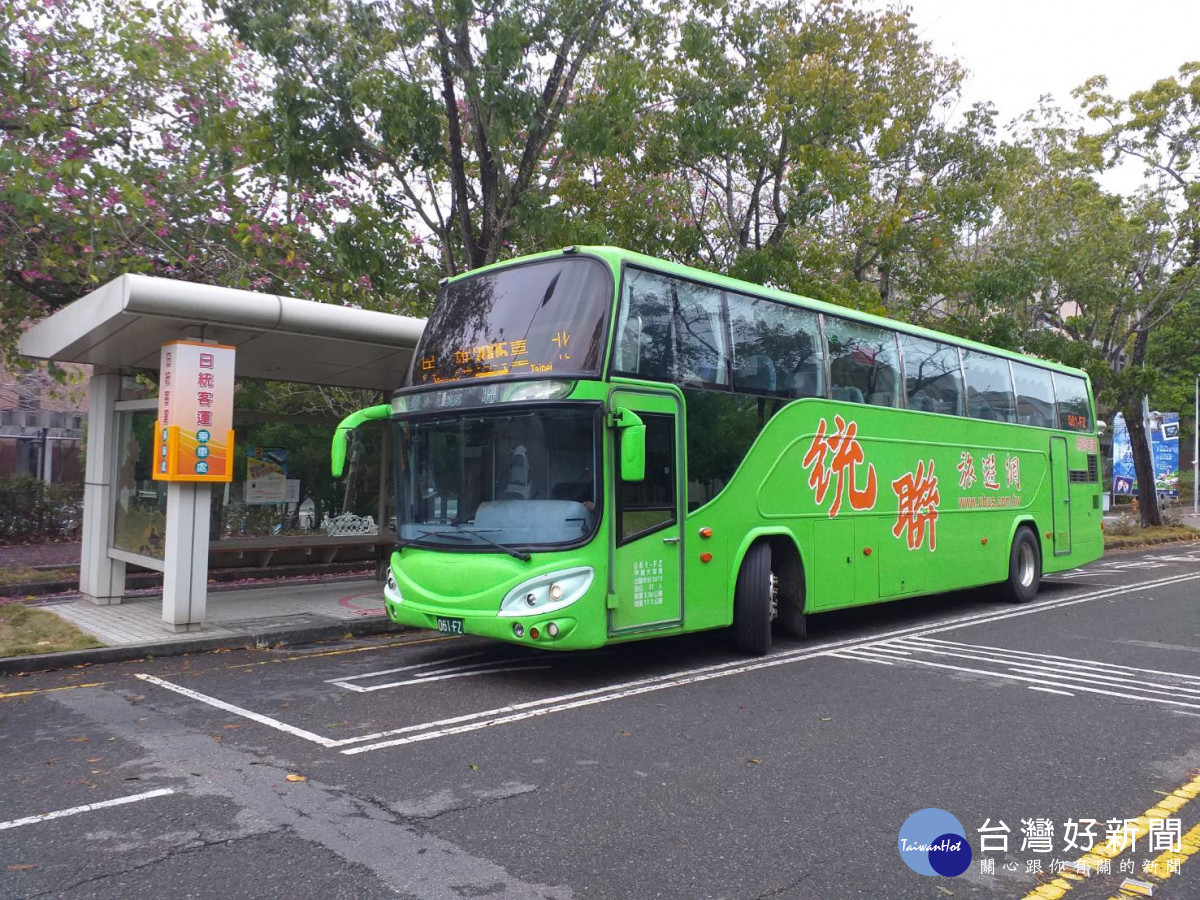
553,632
551,629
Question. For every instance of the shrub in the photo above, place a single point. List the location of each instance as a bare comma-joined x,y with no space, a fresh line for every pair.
31,510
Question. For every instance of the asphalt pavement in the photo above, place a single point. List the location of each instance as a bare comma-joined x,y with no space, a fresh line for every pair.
429,766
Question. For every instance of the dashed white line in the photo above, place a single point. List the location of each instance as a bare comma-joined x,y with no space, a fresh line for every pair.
76,810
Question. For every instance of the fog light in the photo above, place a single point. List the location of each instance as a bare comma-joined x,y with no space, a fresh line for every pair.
518,629
533,633
556,591
552,630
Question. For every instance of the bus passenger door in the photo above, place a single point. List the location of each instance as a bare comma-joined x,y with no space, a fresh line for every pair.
645,575
1060,496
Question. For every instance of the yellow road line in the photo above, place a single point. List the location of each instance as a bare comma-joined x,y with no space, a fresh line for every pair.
261,662
1170,803
68,687
1189,844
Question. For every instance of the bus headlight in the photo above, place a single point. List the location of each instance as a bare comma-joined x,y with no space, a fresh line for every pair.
391,590
547,593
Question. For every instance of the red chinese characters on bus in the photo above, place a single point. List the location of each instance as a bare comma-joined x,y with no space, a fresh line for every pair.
847,456
919,498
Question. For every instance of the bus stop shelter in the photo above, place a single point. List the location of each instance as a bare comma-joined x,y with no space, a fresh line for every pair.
120,328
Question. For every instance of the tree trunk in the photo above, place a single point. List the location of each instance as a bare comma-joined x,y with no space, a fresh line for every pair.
1143,466
1139,442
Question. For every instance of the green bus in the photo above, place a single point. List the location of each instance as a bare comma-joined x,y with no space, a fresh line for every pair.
597,446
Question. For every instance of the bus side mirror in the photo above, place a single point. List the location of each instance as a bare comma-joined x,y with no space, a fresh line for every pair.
633,445
1101,426
341,435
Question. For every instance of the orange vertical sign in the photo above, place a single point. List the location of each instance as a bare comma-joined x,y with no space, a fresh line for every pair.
193,438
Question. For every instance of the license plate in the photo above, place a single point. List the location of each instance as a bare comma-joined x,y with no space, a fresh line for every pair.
450,626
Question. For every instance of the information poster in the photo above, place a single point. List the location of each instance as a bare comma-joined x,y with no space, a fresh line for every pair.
193,437
1164,451
266,476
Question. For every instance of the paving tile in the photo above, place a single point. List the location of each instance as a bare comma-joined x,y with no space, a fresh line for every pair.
138,620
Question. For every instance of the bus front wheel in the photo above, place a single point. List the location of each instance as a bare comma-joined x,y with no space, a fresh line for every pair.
754,601
1024,567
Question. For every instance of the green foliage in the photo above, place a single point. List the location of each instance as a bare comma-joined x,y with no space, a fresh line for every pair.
137,137
31,510
25,630
459,116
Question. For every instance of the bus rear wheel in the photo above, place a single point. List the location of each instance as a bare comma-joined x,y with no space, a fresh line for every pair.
755,603
1024,567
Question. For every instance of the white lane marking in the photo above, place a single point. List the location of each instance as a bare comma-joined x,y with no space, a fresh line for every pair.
239,711
75,810
1046,690
421,665
519,711
675,679
1043,680
1076,671
890,648
465,671
1048,656
1146,687
439,676
711,672
854,654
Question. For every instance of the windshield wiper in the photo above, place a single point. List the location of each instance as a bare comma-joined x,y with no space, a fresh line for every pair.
459,536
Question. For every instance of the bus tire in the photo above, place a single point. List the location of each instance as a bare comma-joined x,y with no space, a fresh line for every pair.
1024,567
752,602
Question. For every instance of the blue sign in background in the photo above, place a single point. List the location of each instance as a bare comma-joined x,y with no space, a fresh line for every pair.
1164,450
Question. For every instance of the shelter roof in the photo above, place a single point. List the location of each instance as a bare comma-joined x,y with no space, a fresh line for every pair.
124,323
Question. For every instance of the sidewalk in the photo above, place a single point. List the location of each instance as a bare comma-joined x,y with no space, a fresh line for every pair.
285,613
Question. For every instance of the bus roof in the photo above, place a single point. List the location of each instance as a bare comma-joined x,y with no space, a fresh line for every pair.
618,255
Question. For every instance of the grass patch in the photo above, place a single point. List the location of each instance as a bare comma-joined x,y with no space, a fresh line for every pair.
1128,534
25,630
19,574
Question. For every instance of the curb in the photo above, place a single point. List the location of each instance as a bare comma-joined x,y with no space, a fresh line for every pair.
1154,542
218,580
308,634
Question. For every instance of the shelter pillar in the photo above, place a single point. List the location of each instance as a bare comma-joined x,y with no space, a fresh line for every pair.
185,578
101,578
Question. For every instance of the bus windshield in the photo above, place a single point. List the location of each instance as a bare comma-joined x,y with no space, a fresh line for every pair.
541,318
516,478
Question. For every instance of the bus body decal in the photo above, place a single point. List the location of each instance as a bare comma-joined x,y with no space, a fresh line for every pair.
919,499
847,457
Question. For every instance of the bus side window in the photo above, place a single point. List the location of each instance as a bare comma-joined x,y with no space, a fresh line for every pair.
703,356
776,348
863,364
1035,395
932,376
989,387
1074,410
646,339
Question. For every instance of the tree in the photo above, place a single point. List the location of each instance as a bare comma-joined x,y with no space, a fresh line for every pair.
1160,128
134,138
461,112
1072,272
800,145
